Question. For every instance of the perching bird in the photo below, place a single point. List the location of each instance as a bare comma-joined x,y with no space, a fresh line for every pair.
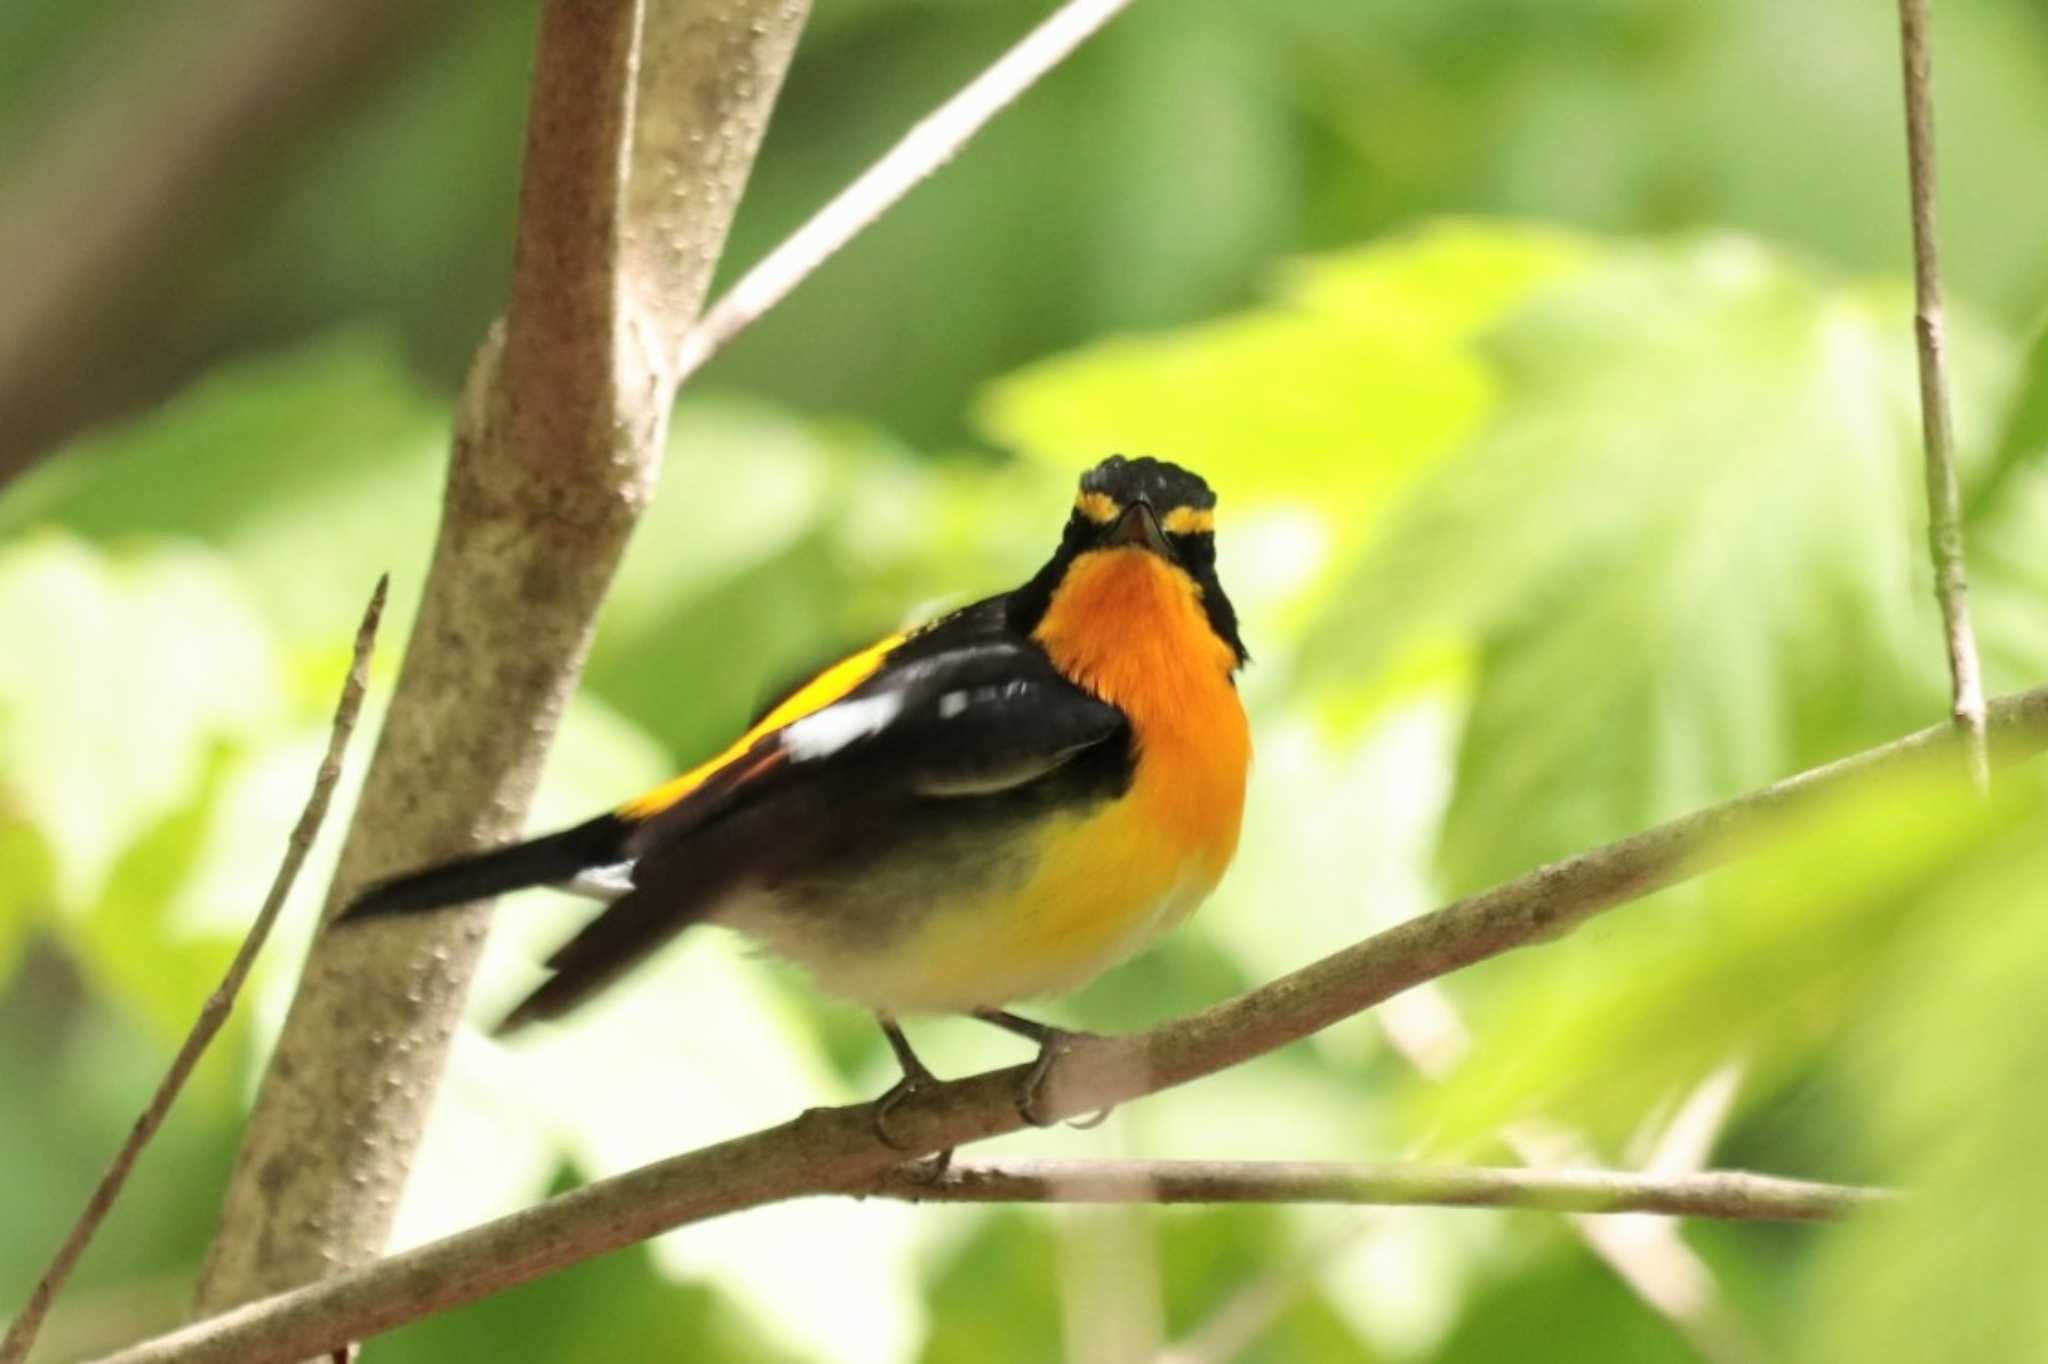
1000,804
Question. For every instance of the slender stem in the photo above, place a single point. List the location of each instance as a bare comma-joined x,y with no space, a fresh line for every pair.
934,141
834,1150
1944,501
213,1014
1726,1195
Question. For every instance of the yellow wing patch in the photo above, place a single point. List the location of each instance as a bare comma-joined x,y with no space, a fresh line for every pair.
816,694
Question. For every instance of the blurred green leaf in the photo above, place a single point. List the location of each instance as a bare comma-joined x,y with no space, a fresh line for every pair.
1561,1306
120,676
1688,547
617,1308
1208,1257
75,1091
778,543
2007,523
1358,375
2023,441
1951,1070
312,471
27,885
1779,957
129,946
997,1295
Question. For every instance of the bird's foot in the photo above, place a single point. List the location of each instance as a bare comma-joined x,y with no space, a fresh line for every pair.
917,1077
1053,1043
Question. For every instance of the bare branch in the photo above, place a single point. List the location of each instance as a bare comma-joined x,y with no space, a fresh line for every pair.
213,1014
1726,1195
1944,501
555,451
834,1150
935,140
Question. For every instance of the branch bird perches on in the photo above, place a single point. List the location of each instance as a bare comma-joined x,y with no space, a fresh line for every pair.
834,1151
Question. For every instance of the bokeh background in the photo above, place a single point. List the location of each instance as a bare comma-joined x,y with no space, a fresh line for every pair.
1554,364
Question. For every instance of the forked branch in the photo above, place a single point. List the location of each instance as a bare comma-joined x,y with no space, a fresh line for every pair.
1937,425
827,1151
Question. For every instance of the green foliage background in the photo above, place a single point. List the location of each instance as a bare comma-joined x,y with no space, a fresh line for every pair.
1553,361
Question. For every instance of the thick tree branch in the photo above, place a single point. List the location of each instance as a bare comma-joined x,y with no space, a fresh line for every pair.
1727,1195
1944,501
213,1014
934,141
555,451
835,1151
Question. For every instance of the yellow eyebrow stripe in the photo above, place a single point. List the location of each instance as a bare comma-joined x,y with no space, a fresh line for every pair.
1100,508
1189,521
821,691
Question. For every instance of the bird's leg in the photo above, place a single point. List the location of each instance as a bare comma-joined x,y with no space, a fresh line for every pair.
1053,1043
916,1076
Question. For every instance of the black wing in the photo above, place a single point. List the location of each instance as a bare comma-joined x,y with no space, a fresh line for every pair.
966,724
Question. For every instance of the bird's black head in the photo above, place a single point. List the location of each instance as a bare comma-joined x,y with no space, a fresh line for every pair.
1146,501
1147,504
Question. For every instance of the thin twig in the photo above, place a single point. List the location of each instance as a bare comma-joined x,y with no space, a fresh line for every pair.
1725,1195
1937,427
21,1336
833,1150
934,141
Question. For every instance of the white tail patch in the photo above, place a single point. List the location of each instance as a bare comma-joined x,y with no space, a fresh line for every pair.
602,883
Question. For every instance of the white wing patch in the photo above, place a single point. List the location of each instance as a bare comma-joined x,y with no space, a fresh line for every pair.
833,728
956,702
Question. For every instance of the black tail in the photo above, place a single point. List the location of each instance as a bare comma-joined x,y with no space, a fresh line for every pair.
538,862
607,947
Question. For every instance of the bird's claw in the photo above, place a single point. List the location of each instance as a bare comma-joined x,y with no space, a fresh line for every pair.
926,1169
1055,1043
907,1087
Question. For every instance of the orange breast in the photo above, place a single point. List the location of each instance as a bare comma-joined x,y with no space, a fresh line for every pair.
1129,626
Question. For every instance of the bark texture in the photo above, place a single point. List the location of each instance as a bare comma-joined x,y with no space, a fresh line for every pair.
645,120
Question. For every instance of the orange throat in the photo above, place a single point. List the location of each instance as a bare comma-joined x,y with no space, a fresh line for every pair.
1128,626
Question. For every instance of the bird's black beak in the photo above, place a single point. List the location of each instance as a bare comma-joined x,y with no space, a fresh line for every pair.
1139,526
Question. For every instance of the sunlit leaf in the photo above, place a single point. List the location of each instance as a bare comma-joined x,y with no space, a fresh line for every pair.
2023,439
128,945
120,675
1780,957
1951,1071
1688,545
1361,372
311,471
